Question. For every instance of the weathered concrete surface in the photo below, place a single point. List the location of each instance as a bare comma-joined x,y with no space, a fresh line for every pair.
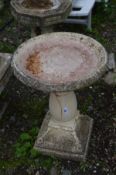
63,143
61,61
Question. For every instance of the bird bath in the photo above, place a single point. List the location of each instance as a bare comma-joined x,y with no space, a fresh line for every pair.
41,16
60,63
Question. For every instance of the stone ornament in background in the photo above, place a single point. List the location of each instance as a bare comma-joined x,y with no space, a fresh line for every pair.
43,17
60,63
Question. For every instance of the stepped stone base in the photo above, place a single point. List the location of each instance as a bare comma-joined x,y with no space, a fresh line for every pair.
63,142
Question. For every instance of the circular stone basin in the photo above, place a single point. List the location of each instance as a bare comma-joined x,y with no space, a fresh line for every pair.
59,61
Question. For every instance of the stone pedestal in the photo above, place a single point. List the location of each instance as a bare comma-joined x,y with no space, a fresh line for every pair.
64,132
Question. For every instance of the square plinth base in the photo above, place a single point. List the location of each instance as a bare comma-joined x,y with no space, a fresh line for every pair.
63,143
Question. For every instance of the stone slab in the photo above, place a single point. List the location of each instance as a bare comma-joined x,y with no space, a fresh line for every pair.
62,143
5,79
5,69
5,60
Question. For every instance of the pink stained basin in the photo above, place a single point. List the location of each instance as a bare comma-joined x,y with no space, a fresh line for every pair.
59,61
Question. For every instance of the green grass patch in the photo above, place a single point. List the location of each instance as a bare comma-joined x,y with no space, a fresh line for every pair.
27,155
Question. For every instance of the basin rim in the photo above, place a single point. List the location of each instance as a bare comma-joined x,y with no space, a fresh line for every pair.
69,86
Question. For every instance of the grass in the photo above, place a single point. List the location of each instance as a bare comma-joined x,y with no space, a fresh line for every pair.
7,47
25,155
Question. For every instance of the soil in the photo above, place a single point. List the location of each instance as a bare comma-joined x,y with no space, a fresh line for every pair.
40,4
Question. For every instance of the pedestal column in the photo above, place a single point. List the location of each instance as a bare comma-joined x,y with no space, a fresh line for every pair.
63,106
